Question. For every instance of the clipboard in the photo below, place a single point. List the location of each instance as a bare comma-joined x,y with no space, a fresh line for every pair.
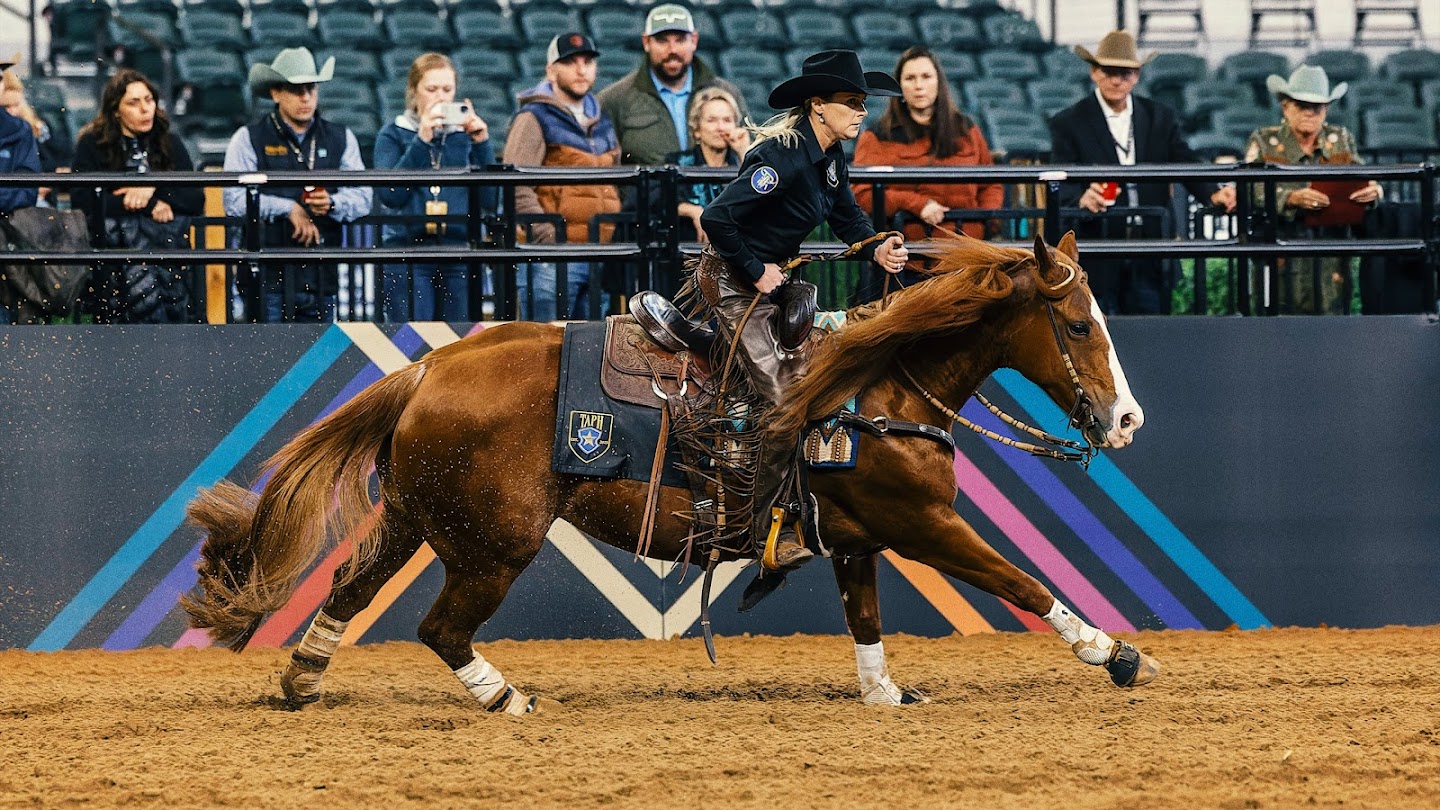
1341,210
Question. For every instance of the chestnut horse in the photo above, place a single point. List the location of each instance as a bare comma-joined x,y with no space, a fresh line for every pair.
456,440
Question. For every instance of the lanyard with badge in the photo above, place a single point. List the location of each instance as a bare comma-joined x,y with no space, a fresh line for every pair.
288,137
436,207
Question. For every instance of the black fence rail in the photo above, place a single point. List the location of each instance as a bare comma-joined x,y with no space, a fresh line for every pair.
646,250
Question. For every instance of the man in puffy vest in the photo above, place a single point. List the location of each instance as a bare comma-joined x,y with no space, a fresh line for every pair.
560,124
294,137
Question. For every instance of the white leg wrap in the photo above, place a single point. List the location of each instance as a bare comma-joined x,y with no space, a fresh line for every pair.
302,681
1090,644
876,688
488,686
323,638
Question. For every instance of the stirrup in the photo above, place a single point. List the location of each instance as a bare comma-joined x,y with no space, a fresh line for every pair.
769,560
665,324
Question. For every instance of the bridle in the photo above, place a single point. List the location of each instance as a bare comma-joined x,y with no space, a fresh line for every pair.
1081,416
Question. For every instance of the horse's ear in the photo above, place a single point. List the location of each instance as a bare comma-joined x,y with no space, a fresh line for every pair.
1068,247
1044,263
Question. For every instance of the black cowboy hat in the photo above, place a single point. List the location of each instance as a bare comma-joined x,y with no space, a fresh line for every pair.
829,72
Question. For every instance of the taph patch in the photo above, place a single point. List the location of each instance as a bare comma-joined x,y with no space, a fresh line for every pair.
589,434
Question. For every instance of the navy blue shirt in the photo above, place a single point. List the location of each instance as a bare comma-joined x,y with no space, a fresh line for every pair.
782,194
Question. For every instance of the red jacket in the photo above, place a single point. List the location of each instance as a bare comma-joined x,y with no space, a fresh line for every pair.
870,150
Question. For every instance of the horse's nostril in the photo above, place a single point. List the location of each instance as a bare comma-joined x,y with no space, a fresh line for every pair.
1126,421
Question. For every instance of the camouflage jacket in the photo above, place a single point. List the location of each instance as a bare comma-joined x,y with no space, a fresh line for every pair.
1278,144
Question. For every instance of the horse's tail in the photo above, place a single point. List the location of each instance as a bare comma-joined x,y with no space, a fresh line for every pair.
258,547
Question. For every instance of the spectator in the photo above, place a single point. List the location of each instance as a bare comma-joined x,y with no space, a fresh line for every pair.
424,138
1304,138
560,123
295,137
55,150
651,106
718,140
1116,127
923,128
131,134
18,153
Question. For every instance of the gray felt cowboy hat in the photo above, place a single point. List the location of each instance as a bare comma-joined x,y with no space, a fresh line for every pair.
1116,50
830,72
291,66
6,64
1307,83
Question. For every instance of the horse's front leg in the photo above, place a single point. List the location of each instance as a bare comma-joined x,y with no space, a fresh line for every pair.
956,549
859,593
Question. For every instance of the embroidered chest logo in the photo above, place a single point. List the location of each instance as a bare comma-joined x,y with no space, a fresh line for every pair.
276,151
764,180
589,434
832,176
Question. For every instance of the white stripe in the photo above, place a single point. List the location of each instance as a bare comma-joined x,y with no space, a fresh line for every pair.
436,333
376,346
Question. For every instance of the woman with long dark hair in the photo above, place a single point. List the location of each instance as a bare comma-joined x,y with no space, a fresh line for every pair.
923,128
130,133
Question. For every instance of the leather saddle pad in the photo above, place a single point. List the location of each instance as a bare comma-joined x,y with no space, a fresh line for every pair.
633,360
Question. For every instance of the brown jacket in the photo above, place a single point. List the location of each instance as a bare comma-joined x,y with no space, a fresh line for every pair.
529,144
871,150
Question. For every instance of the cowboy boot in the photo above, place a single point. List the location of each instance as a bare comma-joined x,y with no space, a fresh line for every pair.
773,517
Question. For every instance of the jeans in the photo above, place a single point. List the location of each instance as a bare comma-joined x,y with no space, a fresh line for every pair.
402,304
538,280
308,307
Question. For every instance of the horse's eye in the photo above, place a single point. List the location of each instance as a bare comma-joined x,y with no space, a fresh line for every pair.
1080,328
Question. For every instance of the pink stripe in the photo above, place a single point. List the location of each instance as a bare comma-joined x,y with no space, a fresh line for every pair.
192,637
1002,512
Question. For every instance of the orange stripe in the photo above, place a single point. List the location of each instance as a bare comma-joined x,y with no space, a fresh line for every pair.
388,594
940,593
312,592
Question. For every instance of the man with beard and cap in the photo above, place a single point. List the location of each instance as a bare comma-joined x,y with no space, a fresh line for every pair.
560,123
1115,127
651,106
295,137
791,181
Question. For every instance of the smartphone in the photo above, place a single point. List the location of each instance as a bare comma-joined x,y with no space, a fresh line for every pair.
454,114
1110,192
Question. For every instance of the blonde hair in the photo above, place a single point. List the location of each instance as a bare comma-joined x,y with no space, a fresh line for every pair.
781,127
12,83
424,63
706,96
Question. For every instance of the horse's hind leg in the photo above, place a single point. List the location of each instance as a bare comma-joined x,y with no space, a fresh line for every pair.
959,551
301,679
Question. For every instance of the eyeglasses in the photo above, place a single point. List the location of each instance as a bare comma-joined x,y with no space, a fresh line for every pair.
300,89
856,103
1119,72
1309,106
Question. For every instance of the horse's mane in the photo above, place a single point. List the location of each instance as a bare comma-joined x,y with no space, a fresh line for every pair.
969,276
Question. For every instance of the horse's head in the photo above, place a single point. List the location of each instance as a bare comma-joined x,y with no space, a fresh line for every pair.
1062,343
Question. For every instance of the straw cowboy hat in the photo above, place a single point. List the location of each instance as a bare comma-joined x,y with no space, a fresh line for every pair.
291,66
1307,83
830,72
1117,49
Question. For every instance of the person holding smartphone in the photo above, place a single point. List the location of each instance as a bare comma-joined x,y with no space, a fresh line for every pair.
435,132
1116,127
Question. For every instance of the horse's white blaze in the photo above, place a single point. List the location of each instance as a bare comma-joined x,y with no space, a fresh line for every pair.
1122,429
1090,644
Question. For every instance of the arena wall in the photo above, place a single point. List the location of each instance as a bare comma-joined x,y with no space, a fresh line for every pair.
1285,475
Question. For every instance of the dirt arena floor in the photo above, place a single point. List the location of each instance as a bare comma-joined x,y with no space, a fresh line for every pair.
1277,718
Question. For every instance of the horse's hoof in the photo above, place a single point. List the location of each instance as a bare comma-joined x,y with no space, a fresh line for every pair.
1129,667
886,693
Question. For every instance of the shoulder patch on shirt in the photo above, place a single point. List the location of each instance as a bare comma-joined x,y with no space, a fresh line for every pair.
831,176
764,180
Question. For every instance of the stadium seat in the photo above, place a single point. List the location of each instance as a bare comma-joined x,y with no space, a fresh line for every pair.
213,29
1014,31
395,63
880,59
1368,93
948,31
1241,120
475,63
157,25
1430,95
486,95
489,28
751,63
45,95
365,123
431,7
795,59
1412,66
343,28
204,67
392,101
532,65
1027,140
353,64
615,27
73,25
1203,98
350,94
884,29
1049,96
457,6
818,28
165,8
757,28
1211,144
1007,64
982,94
417,29
230,8
1340,66
540,25
614,67
1392,125
708,29
291,6
1252,68
280,28
959,66
1062,63
757,95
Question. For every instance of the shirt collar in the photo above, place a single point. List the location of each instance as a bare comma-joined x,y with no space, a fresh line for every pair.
661,88
812,142
1109,113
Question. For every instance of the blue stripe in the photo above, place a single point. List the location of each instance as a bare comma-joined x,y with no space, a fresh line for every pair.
1140,509
167,518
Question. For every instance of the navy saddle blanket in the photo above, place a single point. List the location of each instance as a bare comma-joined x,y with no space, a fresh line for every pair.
594,434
